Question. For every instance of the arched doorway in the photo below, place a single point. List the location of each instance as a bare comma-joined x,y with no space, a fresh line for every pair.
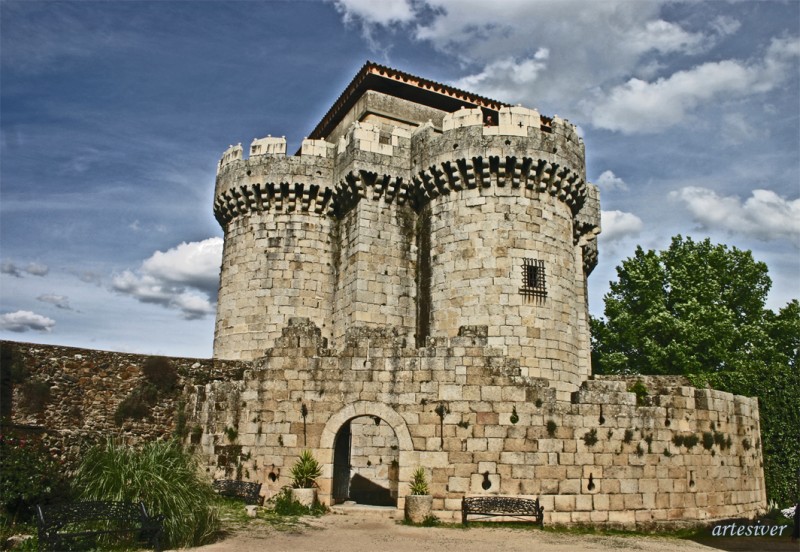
366,462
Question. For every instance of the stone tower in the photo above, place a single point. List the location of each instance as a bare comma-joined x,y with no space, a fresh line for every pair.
416,208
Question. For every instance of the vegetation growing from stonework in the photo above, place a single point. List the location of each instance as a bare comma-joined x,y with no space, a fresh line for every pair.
699,310
160,378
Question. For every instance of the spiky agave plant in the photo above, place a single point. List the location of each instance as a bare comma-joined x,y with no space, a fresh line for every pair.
305,471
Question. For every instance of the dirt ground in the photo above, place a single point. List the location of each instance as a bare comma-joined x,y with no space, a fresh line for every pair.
352,533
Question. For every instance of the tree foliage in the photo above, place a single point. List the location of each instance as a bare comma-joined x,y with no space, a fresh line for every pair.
698,309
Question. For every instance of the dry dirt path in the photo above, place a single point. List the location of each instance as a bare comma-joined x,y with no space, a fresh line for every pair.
349,533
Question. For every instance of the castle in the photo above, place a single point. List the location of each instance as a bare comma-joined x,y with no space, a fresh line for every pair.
409,290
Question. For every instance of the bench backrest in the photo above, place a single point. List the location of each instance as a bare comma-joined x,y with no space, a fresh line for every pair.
501,504
60,515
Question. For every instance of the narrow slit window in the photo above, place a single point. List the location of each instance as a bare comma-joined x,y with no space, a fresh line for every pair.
533,279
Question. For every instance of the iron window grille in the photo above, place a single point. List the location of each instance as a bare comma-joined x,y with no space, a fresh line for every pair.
534,282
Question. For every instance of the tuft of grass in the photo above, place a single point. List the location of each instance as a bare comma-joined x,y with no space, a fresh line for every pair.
163,476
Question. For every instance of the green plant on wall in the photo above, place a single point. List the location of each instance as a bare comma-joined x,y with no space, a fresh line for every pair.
590,438
551,428
639,389
231,434
514,416
628,436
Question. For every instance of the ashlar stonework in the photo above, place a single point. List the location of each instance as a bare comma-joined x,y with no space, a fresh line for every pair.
410,290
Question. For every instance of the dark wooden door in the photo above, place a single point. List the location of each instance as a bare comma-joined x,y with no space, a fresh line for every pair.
341,465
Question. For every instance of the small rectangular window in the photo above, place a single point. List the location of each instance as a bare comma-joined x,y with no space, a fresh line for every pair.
533,279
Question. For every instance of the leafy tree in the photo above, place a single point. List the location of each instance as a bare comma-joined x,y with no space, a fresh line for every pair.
698,309
694,308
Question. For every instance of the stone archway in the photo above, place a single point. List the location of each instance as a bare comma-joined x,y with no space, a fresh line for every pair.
364,413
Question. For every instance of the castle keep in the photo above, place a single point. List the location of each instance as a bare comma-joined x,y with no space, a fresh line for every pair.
410,290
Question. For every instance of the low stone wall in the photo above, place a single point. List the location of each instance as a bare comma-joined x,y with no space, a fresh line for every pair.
460,409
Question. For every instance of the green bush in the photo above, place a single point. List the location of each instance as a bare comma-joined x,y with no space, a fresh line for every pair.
137,405
163,476
160,372
551,428
28,476
284,505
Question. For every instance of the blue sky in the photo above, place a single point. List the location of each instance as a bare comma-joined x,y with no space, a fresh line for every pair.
113,116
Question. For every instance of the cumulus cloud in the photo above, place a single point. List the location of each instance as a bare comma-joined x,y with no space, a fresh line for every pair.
639,106
184,278
764,216
60,301
23,321
618,225
609,182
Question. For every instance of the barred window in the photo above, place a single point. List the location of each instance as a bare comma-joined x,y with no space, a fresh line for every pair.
533,279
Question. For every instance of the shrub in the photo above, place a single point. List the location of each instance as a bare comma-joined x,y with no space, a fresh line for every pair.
160,372
640,390
551,428
305,471
284,505
137,405
160,474
514,416
708,440
28,476
419,482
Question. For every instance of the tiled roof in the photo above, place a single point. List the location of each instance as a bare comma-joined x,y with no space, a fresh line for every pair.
373,76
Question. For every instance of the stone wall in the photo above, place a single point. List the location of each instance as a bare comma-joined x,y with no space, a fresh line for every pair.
462,410
84,388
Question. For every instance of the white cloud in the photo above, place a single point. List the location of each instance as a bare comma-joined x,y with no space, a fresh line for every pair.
60,301
185,277
609,182
23,321
664,37
764,216
37,269
508,78
618,225
384,12
639,106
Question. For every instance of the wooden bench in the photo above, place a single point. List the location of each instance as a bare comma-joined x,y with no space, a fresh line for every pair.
94,524
247,491
525,509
